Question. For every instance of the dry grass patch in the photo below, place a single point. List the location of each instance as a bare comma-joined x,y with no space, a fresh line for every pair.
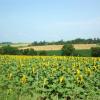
84,46
59,47
46,47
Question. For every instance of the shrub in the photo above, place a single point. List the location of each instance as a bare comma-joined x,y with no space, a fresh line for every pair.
95,51
29,52
68,50
43,53
8,50
32,52
14,51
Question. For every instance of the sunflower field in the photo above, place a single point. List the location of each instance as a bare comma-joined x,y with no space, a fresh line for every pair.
49,78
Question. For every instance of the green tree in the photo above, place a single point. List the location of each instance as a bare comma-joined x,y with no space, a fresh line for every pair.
32,52
95,52
9,50
29,52
43,53
68,50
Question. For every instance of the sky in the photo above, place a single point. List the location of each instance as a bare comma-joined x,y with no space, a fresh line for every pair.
49,20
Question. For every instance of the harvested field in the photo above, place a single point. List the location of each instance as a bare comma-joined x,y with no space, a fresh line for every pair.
46,47
84,46
59,47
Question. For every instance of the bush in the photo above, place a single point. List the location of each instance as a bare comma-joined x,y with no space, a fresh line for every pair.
43,53
75,53
68,50
32,52
95,52
14,51
29,52
8,50
20,52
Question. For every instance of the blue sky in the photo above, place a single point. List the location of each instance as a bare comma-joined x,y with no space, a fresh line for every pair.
50,20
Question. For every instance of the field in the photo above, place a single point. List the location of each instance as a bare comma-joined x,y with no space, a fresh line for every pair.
81,53
50,47
59,47
82,50
49,78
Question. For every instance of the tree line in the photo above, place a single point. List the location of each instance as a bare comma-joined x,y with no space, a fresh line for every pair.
15,51
62,42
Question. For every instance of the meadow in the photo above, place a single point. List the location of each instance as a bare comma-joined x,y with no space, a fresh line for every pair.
49,78
81,53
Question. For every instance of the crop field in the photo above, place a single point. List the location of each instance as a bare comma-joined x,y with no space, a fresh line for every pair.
51,47
84,46
59,47
49,78
45,47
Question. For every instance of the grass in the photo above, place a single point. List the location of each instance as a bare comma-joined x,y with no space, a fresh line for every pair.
58,47
82,53
55,52
52,52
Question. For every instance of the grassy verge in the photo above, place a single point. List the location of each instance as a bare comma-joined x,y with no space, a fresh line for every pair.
82,53
52,52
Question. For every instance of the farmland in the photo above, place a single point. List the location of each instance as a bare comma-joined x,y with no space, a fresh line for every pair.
59,47
49,78
83,50
50,47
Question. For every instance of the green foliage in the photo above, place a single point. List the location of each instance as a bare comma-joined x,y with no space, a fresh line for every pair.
43,53
14,51
49,78
95,51
61,42
83,53
68,50
84,41
29,52
54,52
51,52
8,50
